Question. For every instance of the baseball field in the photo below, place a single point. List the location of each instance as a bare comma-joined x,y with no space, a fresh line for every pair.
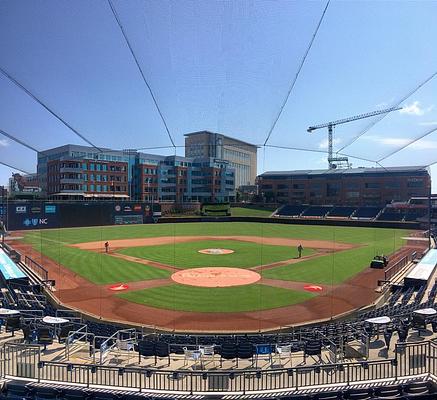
151,261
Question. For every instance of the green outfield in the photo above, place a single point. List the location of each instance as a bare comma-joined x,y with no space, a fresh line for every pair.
326,268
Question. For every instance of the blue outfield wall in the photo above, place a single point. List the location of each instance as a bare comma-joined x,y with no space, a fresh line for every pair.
23,215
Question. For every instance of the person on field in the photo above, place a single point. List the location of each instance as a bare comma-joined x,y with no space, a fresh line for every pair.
299,251
107,247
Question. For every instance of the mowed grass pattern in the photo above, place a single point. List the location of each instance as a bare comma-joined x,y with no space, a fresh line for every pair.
186,255
337,267
230,299
100,268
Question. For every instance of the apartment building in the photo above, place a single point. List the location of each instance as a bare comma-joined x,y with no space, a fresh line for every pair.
241,156
354,186
80,172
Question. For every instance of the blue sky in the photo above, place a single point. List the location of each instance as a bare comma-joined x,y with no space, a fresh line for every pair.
223,66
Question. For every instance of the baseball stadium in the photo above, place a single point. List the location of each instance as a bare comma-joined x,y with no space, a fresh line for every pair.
179,223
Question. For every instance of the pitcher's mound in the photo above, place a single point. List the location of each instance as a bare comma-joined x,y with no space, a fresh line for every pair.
216,277
216,252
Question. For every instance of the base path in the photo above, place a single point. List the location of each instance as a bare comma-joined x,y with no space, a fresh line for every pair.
156,241
97,300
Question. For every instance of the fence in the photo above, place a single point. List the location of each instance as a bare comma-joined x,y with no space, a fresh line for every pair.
37,268
398,266
411,360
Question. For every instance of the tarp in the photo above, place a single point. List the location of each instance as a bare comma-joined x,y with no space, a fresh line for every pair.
8,267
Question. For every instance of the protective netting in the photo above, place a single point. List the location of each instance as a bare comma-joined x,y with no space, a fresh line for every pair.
220,66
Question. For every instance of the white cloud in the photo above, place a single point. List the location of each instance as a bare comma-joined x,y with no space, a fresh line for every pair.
428,123
323,144
415,109
423,144
4,143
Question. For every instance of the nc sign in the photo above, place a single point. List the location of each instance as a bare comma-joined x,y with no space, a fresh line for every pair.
35,221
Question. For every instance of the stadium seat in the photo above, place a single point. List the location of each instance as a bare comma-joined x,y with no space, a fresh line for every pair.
44,336
228,351
313,348
64,332
162,350
357,394
388,392
13,324
417,389
15,390
75,394
245,350
146,348
47,393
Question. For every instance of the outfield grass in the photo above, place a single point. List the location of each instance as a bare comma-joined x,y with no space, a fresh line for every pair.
337,267
250,212
186,255
230,299
331,233
100,268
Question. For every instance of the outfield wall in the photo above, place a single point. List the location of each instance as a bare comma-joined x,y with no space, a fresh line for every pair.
22,215
298,221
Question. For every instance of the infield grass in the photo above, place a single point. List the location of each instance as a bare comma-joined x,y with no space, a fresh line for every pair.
228,299
186,255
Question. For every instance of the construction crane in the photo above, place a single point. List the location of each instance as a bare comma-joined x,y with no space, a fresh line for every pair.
330,125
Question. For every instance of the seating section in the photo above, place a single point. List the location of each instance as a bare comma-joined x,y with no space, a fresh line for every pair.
316,211
414,214
291,211
419,390
366,212
389,214
341,212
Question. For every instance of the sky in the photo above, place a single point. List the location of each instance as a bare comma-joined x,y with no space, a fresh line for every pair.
223,66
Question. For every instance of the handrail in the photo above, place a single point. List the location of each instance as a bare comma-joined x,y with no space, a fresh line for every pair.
114,337
37,268
236,381
71,339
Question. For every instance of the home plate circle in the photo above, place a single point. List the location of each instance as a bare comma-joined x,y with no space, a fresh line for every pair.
216,277
216,252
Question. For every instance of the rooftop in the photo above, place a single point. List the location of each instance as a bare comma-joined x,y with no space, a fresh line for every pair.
221,134
349,171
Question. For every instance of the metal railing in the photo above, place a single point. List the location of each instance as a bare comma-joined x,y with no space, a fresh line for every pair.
36,268
411,360
398,266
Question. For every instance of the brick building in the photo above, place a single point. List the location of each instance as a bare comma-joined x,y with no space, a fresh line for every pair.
79,172
354,186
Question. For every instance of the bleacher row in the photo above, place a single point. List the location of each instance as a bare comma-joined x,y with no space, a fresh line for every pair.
368,212
419,390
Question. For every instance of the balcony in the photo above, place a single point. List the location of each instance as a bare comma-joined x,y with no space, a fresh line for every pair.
71,180
70,169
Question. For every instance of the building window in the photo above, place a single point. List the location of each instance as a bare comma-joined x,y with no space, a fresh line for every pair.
372,185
